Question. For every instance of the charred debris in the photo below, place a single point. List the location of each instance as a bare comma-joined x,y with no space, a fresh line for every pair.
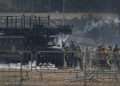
30,38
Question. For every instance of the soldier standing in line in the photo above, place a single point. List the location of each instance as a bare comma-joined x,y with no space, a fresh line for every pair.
78,56
97,60
104,57
101,54
67,56
87,55
72,57
116,57
110,56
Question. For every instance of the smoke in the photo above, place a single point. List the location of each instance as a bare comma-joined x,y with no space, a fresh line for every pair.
101,23
101,29
6,4
62,39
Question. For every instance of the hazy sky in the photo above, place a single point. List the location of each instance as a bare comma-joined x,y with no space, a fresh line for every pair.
74,5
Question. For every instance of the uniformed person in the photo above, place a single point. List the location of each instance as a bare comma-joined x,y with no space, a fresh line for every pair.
105,57
69,56
66,55
87,56
101,56
110,55
116,60
73,58
78,57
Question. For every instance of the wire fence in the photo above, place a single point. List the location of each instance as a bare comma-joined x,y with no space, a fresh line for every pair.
92,74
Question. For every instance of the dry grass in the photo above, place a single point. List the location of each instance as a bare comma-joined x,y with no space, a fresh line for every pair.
45,78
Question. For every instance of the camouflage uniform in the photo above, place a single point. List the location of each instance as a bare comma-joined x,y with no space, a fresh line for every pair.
101,59
68,57
116,60
110,56
78,57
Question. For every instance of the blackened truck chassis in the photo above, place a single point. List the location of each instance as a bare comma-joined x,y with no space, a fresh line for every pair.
30,35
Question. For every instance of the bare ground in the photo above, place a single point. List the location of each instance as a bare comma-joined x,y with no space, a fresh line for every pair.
66,77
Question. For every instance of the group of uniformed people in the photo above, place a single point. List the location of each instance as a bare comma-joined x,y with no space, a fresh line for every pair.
104,56
107,57
73,56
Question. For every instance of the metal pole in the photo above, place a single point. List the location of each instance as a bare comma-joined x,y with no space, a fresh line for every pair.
31,60
49,10
84,67
65,64
21,70
7,21
63,11
32,7
49,7
31,26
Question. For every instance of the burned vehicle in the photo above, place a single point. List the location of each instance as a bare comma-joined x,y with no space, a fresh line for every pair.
30,38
